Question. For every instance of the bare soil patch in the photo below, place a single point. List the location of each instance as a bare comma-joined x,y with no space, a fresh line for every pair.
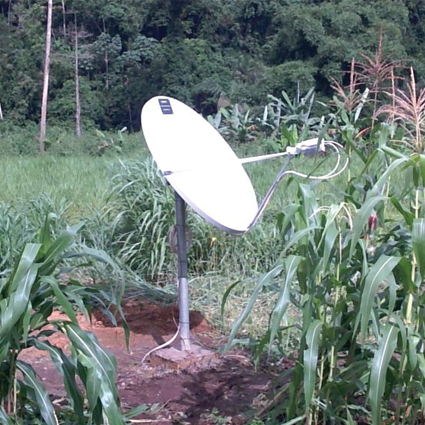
225,391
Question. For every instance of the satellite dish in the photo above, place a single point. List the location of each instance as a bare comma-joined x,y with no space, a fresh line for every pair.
206,174
199,164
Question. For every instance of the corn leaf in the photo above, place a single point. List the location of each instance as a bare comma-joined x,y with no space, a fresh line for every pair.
225,296
403,273
392,152
87,343
267,277
407,215
141,408
287,215
311,355
92,379
413,341
58,248
350,420
418,242
25,262
422,167
44,235
17,304
110,405
96,254
330,219
295,420
47,410
309,204
60,297
26,320
298,236
378,373
376,189
361,219
392,291
421,363
291,265
378,273
68,371
330,233
4,418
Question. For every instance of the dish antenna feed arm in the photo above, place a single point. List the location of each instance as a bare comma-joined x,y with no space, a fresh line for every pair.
307,148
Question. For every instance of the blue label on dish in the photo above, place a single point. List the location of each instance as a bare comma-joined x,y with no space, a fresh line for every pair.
165,106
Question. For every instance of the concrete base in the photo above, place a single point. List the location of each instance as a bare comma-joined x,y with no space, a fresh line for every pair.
172,358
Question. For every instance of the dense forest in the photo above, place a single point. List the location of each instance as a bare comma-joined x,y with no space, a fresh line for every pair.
201,51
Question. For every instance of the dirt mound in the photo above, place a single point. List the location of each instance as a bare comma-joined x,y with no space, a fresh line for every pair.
222,392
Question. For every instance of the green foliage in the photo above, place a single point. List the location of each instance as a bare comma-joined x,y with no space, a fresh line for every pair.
62,107
357,293
290,75
194,50
28,294
61,141
139,235
237,126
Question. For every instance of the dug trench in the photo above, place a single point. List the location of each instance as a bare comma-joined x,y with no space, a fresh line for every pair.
226,390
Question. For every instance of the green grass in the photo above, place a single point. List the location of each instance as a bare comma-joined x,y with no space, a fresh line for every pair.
81,187
80,181
83,180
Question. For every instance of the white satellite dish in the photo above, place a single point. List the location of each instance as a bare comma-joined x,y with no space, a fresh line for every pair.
199,164
205,173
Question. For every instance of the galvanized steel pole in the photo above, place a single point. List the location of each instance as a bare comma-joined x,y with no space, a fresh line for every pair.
182,274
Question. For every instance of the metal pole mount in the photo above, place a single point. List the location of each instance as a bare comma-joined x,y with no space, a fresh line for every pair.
184,323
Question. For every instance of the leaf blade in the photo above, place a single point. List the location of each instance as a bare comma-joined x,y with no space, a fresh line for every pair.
311,355
380,363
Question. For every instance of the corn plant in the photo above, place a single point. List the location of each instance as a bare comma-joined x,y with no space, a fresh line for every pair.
28,295
19,225
354,272
408,109
376,72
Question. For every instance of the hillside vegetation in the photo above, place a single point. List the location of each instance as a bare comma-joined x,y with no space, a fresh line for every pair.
203,52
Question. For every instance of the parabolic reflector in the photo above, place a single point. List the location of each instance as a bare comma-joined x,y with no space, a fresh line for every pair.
199,164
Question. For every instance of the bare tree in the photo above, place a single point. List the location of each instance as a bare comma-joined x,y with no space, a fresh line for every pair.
77,85
64,18
75,36
46,76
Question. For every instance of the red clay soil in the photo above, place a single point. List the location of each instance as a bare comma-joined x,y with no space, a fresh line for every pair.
226,391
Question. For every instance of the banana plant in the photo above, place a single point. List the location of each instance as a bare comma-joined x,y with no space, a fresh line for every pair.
237,125
29,293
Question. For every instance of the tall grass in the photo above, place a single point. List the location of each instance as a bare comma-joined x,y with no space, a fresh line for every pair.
81,181
128,211
147,214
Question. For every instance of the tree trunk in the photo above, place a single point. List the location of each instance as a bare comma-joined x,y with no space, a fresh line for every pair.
1,112
46,76
77,86
9,12
64,18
